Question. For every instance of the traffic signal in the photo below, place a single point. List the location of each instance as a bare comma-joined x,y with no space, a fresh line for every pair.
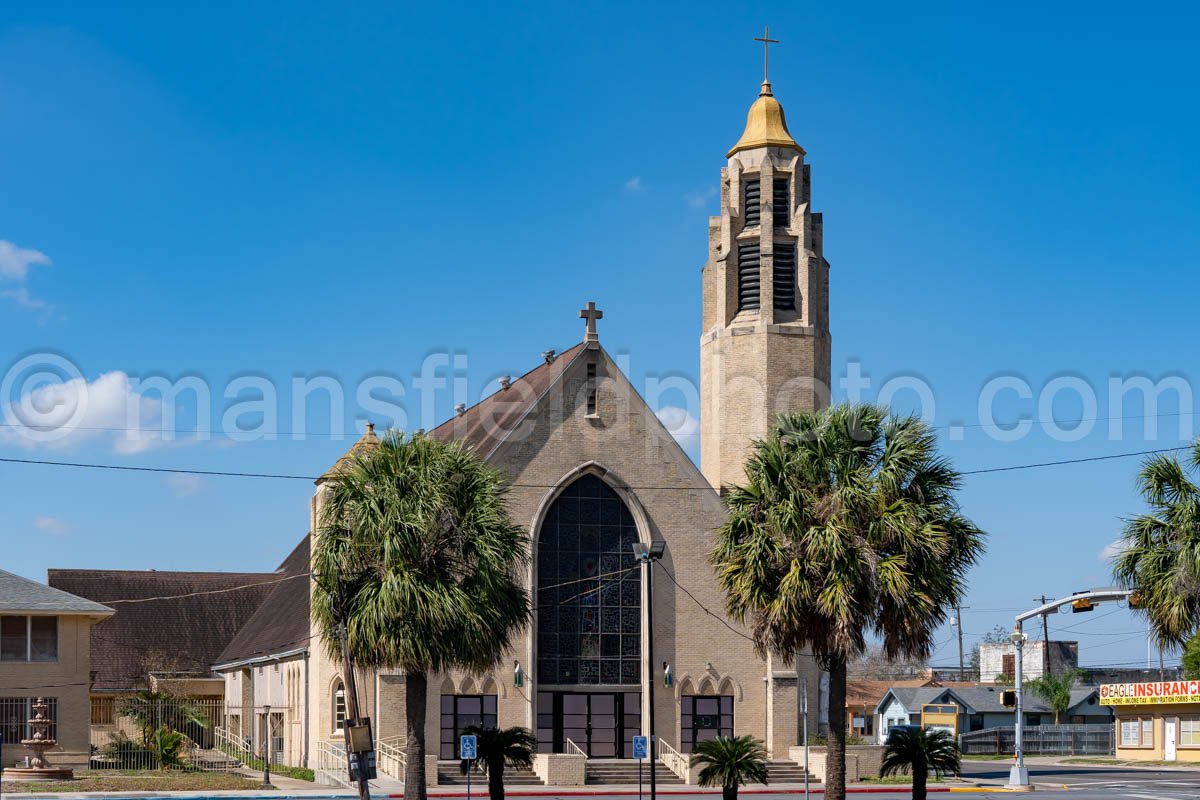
1008,698
1135,600
1079,606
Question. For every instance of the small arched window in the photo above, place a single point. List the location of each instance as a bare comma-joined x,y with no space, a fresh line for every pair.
339,707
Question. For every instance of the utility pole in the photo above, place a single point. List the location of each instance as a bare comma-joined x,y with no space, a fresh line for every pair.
958,624
364,790
1047,668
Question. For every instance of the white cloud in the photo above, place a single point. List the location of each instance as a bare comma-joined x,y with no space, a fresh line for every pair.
702,198
53,526
680,424
16,261
184,485
23,298
634,184
67,414
1112,550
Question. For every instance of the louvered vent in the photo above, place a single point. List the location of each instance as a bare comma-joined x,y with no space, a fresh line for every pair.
752,203
748,276
783,278
781,204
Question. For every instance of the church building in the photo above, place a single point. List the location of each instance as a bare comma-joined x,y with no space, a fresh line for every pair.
593,472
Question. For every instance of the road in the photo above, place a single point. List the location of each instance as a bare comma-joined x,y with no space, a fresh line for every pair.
1086,780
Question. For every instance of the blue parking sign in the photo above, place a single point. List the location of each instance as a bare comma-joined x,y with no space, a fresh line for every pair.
641,747
467,747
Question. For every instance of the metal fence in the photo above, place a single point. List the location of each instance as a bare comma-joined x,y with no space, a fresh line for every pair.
183,733
1041,740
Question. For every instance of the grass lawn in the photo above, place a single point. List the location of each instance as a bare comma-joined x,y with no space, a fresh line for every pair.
903,780
137,782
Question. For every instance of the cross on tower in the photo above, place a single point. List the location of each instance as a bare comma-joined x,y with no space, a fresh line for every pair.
591,314
767,42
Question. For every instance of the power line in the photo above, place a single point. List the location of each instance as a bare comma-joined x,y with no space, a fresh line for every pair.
703,607
282,476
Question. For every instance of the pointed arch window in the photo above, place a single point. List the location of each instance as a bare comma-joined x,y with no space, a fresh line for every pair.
339,706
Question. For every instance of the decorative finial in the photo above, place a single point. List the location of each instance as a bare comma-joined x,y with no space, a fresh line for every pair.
767,42
591,314
370,429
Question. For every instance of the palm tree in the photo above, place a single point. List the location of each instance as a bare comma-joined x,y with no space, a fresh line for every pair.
1159,551
918,751
730,762
1056,691
847,524
500,748
417,551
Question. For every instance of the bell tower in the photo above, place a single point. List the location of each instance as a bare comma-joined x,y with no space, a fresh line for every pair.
764,343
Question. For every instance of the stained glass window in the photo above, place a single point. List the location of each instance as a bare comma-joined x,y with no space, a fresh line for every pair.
589,596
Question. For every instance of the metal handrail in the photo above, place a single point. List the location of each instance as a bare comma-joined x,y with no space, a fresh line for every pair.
575,749
392,760
331,765
672,759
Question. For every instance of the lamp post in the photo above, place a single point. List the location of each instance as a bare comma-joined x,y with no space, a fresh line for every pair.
266,750
1019,775
645,555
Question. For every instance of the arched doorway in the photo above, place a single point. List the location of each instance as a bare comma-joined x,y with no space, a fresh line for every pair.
589,623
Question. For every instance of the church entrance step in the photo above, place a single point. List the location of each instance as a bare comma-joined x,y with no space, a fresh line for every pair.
450,774
785,772
624,772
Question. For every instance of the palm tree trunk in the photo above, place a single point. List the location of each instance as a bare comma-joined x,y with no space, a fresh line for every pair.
496,778
729,792
835,768
416,686
920,780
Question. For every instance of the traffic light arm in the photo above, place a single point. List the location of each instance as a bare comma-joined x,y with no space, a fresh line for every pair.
1092,595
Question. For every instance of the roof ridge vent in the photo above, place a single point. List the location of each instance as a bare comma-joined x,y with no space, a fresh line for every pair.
550,355
505,382
460,409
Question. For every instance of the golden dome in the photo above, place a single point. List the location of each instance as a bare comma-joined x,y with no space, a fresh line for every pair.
765,125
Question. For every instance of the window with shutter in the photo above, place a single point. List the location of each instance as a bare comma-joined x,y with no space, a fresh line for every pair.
748,276
752,202
781,203
783,276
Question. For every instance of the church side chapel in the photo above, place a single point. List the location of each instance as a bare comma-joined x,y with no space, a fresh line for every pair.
594,472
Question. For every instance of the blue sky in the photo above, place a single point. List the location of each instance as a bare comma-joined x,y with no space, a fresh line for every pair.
342,190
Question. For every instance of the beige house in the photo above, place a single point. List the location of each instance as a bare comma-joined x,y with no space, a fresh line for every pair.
45,652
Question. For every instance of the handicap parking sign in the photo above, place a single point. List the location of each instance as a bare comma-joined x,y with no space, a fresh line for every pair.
641,747
467,747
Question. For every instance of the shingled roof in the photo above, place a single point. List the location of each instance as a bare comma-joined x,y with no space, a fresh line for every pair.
178,635
22,594
281,623
485,425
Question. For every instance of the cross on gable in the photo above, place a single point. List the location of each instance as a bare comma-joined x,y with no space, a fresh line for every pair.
591,314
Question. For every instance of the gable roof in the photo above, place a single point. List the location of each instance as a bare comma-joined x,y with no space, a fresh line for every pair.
485,425
978,699
175,634
22,594
280,624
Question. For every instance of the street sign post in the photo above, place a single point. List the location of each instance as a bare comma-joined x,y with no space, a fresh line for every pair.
468,750
641,751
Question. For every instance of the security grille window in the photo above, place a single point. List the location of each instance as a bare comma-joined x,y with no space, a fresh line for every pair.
752,202
704,718
15,713
589,595
748,276
781,203
27,638
461,711
783,277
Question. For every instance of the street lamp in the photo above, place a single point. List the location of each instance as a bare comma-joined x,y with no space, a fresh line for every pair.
1018,775
266,750
645,554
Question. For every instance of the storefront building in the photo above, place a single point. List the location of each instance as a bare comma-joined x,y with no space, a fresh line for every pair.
1155,721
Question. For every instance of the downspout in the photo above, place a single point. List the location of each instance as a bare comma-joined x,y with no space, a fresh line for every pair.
304,755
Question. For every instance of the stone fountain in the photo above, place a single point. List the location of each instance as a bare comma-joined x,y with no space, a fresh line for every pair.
39,768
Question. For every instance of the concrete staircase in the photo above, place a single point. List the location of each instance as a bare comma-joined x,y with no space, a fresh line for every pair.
624,772
450,774
785,772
